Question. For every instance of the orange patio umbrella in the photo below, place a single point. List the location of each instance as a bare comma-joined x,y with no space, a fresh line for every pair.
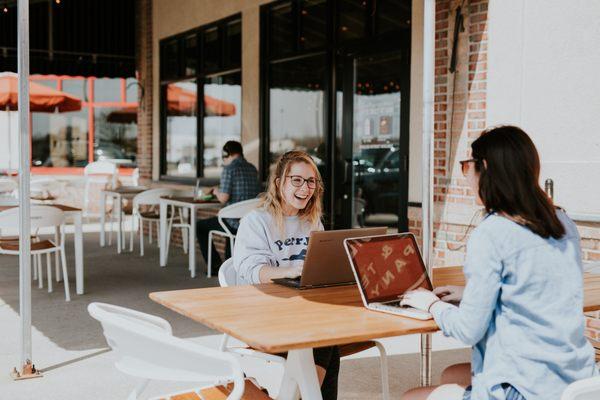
41,98
180,102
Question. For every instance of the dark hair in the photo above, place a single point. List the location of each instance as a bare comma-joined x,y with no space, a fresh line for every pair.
509,169
232,147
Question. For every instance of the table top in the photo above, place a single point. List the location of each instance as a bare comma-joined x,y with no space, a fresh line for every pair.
591,284
274,318
61,207
190,200
127,190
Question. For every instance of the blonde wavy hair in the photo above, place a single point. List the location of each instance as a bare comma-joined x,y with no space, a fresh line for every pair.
272,199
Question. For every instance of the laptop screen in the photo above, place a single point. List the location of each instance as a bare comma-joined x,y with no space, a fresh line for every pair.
387,266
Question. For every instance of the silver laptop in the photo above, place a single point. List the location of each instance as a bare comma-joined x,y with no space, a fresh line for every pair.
325,263
386,267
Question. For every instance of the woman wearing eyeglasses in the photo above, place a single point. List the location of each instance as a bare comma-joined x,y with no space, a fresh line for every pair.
272,241
521,309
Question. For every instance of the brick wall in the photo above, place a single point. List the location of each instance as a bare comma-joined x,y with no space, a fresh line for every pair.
144,54
459,117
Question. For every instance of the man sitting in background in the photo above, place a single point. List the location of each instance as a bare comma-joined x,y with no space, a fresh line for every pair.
239,182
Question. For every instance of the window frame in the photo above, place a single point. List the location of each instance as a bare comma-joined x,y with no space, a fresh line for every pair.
199,76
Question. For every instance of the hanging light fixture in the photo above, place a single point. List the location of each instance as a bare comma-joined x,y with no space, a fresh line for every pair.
5,9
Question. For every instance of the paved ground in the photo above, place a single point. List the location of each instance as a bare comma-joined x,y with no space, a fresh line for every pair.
68,345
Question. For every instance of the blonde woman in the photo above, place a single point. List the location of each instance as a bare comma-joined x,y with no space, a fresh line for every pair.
272,241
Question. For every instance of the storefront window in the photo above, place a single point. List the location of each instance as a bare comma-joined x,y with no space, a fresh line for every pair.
181,128
76,87
115,137
222,118
296,115
107,90
192,148
60,140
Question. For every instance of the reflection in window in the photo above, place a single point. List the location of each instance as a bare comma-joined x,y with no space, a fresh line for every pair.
296,107
75,87
352,19
59,140
212,49
222,119
181,142
115,137
282,29
131,92
313,32
107,90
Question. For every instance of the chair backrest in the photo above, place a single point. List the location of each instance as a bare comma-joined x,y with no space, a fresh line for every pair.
236,211
146,348
151,197
40,216
135,177
100,167
585,389
227,274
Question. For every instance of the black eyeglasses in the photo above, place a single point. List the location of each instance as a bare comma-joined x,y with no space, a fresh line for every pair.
298,181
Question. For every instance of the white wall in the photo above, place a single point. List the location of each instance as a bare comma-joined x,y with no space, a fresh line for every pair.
544,75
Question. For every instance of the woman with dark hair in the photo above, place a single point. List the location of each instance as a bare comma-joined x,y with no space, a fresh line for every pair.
521,309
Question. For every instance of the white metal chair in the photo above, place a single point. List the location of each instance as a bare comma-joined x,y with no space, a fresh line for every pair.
146,348
233,211
146,209
41,217
98,172
585,389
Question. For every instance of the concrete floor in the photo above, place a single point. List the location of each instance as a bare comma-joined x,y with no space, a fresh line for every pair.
69,347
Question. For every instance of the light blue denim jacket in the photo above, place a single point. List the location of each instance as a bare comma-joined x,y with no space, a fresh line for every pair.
521,311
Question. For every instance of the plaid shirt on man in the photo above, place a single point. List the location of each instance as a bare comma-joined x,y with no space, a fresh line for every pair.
240,180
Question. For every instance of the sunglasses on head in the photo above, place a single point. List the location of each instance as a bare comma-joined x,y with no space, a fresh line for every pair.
465,165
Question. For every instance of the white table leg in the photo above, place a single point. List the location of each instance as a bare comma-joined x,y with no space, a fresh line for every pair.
162,235
192,241
300,371
77,219
102,218
426,359
119,224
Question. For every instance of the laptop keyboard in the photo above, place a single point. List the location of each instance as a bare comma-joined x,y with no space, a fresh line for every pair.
396,308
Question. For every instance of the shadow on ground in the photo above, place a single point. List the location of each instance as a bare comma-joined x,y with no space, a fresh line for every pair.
122,279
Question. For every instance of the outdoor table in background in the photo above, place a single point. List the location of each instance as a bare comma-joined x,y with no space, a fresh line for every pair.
193,205
77,216
276,319
118,195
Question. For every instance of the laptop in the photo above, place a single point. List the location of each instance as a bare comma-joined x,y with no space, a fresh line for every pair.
386,267
325,263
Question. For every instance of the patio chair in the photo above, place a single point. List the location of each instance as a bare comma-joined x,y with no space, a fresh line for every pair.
41,217
585,389
146,348
98,172
233,211
228,277
146,209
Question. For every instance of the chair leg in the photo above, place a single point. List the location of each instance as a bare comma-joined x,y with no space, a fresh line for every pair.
110,226
35,271
65,273
150,234
385,384
184,238
141,226
209,261
133,218
40,275
157,232
49,271
56,260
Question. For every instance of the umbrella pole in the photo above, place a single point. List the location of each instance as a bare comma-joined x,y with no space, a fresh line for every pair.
427,185
27,369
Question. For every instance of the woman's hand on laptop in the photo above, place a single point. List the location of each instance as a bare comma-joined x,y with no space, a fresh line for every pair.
292,272
420,299
451,294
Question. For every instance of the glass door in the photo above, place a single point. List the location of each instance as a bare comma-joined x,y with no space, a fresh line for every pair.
374,140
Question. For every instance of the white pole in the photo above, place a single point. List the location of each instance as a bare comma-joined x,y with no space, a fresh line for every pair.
9,141
427,194
24,167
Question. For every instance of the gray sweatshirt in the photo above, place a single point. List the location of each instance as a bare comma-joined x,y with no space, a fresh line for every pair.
260,242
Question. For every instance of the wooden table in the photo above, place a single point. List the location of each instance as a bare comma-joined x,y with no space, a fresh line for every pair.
273,319
591,284
191,204
76,214
118,195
